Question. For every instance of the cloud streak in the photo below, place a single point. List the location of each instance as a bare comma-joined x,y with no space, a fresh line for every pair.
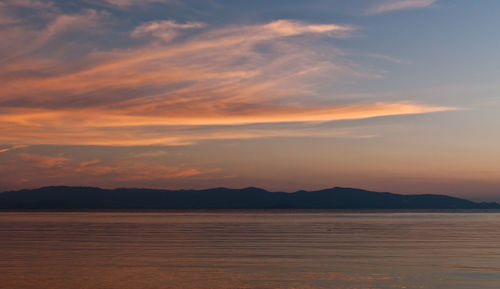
43,169
13,147
45,161
396,5
175,75
129,3
164,29
102,128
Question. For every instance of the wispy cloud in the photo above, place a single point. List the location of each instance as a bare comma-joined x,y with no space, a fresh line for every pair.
395,5
164,29
102,128
40,167
291,28
12,147
127,3
149,154
33,4
45,161
201,76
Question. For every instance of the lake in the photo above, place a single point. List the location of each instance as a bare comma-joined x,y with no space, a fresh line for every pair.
250,249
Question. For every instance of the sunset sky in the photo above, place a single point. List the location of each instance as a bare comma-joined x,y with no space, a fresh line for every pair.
386,95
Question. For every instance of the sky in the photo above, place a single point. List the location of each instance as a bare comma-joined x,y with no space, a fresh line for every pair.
385,95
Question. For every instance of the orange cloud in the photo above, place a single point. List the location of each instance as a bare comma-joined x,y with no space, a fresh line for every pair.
291,28
45,161
245,114
164,29
230,76
13,147
94,127
59,166
149,154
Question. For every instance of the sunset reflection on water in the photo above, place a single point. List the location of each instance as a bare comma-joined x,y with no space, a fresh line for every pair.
249,249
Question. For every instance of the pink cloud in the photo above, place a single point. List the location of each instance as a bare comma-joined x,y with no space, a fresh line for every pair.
395,5
45,161
43,169
224,76
164,29
12,147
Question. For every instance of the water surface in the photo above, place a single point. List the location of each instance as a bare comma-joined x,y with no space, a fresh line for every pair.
249,249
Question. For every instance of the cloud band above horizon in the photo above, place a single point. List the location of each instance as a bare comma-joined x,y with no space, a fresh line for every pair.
173,74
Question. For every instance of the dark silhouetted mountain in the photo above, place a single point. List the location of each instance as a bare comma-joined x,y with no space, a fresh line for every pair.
224,198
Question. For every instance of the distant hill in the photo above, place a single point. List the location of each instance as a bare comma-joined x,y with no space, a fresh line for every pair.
223,198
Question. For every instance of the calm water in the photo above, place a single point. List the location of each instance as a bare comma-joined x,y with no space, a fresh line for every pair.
242,249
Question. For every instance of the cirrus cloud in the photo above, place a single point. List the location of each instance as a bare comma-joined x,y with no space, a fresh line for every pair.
395,5
164,29
260,73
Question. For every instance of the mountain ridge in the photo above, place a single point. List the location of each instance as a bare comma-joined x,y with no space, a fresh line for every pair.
72,197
